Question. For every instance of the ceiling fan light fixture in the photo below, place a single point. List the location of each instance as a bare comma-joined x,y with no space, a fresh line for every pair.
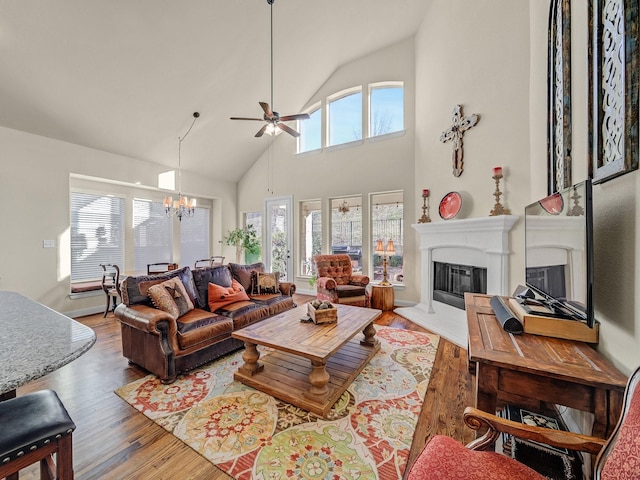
273,130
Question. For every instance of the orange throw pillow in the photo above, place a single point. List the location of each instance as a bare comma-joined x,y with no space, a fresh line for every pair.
220,296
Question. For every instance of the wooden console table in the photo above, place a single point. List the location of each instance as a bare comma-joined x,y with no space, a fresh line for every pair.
528,369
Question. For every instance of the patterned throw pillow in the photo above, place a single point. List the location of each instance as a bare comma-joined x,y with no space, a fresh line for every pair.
246,273
170,296
267,283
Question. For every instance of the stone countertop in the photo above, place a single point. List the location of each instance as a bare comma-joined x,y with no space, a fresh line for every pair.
36,340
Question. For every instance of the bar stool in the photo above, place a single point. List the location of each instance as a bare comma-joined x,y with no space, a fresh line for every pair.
34,427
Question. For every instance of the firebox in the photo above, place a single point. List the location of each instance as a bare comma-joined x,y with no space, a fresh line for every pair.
452,281
549,279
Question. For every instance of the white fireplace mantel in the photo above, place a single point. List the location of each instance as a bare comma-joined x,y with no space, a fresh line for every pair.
477,242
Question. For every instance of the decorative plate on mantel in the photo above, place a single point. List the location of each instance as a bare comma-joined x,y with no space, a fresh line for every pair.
553,204
450,205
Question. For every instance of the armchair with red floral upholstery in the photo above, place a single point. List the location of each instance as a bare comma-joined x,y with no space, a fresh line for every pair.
617,457
336,281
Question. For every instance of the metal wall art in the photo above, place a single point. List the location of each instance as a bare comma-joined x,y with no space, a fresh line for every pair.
460,124
559,97
614,65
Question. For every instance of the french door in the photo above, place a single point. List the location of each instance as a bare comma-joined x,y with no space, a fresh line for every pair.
279,236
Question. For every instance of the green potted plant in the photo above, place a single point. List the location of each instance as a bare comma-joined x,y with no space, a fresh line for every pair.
245,240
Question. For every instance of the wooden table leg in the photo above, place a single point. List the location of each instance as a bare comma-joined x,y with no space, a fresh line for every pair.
486,388
370,339
607,411
318,378
616,399
250,357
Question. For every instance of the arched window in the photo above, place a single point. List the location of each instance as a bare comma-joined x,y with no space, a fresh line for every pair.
344,111
311,130
386,108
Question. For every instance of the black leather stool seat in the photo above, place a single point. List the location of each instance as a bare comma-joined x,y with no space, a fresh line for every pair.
30,422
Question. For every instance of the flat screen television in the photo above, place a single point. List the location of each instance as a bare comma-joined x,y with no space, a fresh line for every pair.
559,254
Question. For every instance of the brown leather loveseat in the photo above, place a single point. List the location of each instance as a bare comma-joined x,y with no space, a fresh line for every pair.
168,326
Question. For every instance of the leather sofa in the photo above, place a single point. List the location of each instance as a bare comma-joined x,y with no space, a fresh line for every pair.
166,344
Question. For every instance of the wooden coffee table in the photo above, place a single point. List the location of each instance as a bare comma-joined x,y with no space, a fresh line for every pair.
311,365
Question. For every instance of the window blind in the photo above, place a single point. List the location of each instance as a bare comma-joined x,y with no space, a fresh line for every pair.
97,234
152,234
194,237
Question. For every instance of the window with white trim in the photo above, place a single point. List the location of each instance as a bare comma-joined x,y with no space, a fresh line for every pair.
346,229
310,234
344,117
386,108
387,225
194,237
152,234
97,234
254,219
310,131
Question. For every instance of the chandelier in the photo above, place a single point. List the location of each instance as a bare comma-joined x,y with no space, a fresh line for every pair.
183,206
343,207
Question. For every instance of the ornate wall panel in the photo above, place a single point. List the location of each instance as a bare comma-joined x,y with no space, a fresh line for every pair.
614,67
559,96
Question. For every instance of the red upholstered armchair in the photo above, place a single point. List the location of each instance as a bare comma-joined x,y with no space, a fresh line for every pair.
336,281
618,458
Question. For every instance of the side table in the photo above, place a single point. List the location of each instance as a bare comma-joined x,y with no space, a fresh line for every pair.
527,369
382,297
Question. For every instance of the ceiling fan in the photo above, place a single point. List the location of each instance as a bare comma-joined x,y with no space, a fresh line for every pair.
274,121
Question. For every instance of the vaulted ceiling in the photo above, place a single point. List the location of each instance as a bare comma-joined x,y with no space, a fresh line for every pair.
125,76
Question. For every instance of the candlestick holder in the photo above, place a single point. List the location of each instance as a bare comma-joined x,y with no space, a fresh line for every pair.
425,210
576,210
498,209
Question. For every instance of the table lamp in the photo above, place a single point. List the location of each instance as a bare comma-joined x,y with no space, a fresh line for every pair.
380,250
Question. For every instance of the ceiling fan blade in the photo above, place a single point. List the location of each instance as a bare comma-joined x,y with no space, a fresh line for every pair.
267,109
261,131
288,129
298,116
245,118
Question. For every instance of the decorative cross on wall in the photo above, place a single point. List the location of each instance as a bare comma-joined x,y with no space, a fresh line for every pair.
454,133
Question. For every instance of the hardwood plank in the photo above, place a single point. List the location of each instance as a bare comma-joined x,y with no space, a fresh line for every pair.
115,441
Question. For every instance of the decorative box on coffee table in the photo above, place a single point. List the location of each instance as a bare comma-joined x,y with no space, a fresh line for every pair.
322,315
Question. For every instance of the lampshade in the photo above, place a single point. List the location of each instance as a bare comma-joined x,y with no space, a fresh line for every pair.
390,248
379,248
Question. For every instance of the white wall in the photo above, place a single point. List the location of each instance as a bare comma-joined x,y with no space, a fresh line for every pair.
475,54
34,181
374,166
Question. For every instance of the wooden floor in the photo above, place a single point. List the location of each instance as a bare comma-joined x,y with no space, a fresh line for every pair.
115,441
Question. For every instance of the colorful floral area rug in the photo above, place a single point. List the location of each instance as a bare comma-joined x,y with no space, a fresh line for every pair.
251,435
